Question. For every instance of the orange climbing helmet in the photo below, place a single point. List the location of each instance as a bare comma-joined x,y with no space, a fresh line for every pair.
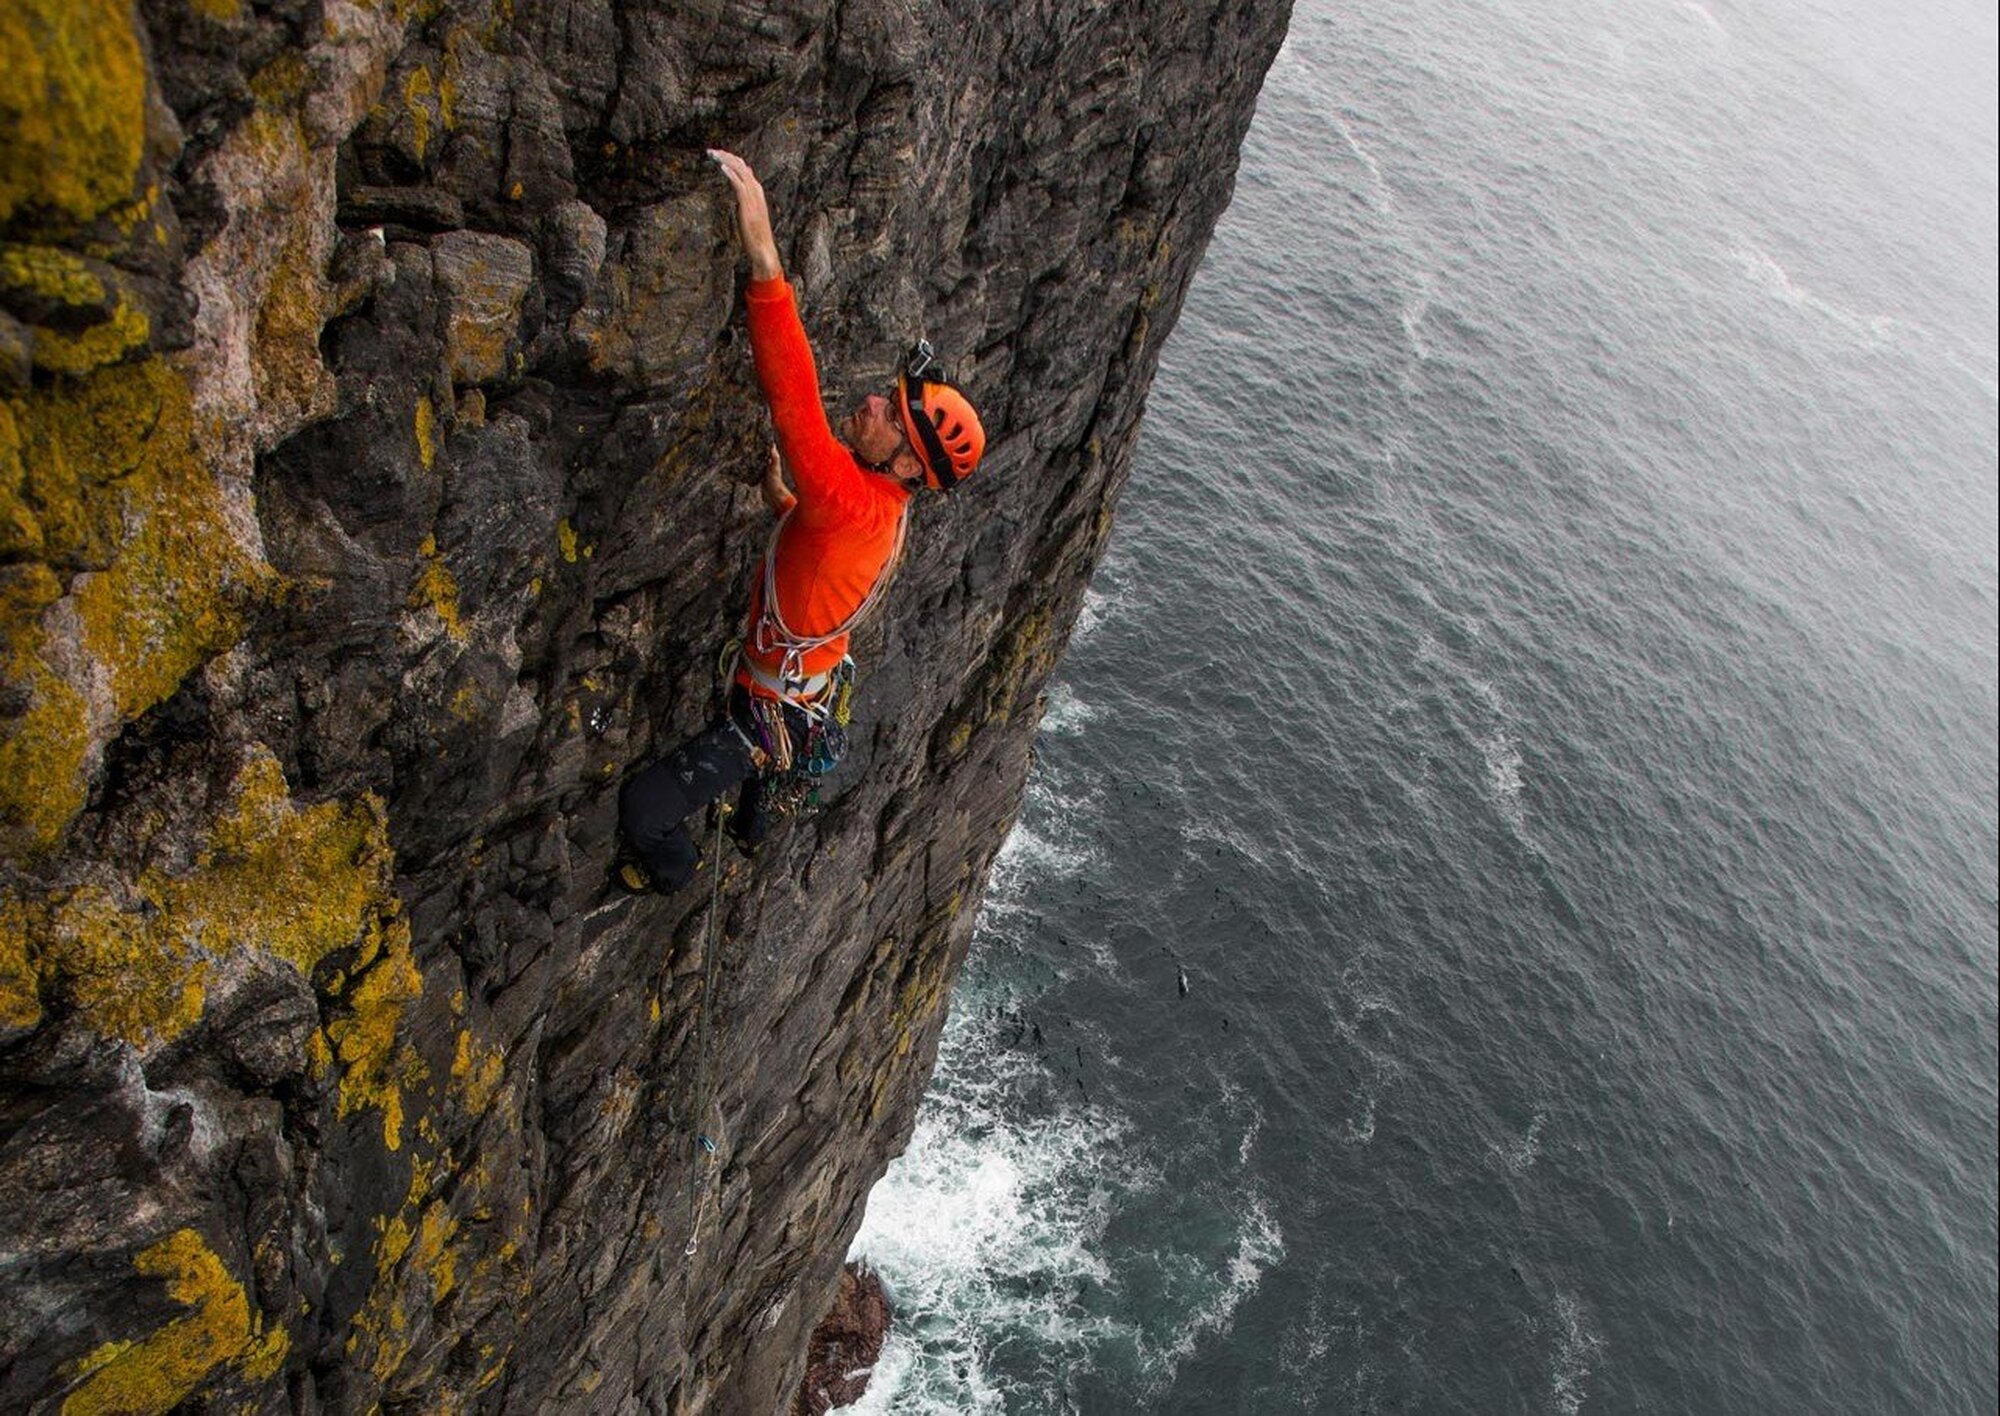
938,419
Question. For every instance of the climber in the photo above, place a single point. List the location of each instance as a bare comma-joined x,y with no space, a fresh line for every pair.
831,556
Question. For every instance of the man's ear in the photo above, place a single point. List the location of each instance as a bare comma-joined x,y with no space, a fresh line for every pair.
908,467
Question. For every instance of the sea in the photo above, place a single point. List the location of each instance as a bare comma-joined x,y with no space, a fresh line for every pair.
1504,913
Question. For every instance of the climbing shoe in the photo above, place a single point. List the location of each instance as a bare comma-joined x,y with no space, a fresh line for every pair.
632,876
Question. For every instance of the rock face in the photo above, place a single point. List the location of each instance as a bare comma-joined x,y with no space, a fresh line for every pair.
376,434
841,1356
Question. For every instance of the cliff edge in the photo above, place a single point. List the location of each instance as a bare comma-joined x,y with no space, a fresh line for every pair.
377,441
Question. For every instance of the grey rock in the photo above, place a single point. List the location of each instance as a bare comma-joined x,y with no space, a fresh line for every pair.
482,280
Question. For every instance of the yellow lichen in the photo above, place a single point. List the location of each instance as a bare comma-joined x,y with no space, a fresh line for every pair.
296,884
20,530
477,1071
566,540
418,93
375,1065
158,1372
426,428
414,1241
436,587
20,997
53,274
126,332
110,477
43,754
449,72
127,977
292,382
72,107
50,272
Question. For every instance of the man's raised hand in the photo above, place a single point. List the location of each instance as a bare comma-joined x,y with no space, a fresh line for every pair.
753,215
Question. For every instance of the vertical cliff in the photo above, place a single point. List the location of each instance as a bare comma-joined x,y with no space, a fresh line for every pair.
376,434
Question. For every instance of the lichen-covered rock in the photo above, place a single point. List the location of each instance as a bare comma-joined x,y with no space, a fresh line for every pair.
482,281
376,450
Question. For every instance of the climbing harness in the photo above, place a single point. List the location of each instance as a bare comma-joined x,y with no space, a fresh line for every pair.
771,635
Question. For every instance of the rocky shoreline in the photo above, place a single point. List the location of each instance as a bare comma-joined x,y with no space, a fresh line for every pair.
844,1348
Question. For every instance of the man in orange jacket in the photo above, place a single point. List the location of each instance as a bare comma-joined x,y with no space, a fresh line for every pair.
830,559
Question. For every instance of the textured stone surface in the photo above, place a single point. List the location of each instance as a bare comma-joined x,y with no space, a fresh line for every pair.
376,440
841,1356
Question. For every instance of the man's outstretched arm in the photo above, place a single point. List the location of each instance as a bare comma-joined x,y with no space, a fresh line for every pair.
753,216
785,367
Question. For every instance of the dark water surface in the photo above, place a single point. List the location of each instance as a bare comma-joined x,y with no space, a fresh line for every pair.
1542,697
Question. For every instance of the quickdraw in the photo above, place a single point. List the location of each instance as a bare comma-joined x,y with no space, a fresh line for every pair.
793,762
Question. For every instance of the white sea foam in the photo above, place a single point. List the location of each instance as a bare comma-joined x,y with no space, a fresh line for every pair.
1360,1130
1103,599
1259,1244
1874,332
1381,196
986,1229
1067,715
1517,1154
1763,271
1503,775
1050,841
1576,1347
1412,315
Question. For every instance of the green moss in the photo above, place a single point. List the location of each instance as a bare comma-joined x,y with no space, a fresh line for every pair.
72,107
158,1372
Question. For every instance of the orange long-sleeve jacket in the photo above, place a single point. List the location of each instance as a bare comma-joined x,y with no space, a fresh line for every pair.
842,531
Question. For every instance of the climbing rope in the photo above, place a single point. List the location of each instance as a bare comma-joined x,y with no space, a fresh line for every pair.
704,1148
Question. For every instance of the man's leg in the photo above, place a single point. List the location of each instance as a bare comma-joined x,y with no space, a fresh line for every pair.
654,805
751,821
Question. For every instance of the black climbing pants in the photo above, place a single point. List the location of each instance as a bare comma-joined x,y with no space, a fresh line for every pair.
654,806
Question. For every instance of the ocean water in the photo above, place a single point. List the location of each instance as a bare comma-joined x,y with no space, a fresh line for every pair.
1540,700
